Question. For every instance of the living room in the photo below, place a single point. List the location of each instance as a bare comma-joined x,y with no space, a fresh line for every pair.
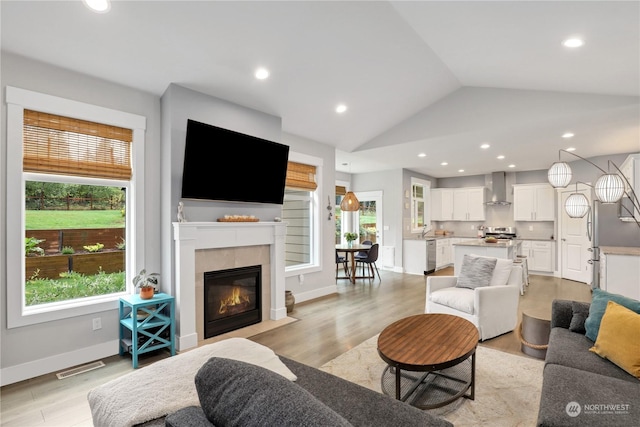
32,349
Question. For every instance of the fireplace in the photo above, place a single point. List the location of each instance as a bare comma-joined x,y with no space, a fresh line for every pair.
232,299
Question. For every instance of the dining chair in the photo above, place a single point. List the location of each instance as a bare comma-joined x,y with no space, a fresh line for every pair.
370,261
342,260
363,254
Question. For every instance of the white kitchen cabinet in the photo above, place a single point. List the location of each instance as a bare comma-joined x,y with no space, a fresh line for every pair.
533,202
539,255
414,254
441,204
443,253
468,204
619,274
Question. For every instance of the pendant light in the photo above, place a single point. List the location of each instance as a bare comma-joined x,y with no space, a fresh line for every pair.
609,188
576,204
559,175
350,202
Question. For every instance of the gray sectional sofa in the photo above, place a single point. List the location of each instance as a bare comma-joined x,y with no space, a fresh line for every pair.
579,387
237,393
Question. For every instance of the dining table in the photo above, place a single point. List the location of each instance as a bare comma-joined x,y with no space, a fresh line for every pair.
351,250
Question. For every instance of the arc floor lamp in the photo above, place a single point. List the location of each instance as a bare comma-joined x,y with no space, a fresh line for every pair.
609,188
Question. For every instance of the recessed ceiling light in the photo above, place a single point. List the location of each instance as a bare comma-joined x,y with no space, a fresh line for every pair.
568,135
261,73
500,157
341,108
422,155
573,42
460,170
571,149
444,164
485,146
99,6
512,166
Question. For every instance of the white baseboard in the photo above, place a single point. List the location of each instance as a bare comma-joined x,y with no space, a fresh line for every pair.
316,293
25,371
185,342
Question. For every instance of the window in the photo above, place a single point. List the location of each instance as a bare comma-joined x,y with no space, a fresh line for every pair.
300,211
420,205
65,159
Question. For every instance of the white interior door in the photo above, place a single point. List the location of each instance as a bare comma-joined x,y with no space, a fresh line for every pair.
574,241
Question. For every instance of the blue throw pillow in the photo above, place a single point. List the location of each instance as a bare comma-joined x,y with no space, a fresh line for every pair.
598,306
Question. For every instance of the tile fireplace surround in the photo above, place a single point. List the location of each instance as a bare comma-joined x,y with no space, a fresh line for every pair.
211,246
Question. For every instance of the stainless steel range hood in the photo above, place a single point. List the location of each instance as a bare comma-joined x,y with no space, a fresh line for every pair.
498,195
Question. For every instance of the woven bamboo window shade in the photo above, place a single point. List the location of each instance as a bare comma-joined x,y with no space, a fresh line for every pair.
66,146
340,190
301,177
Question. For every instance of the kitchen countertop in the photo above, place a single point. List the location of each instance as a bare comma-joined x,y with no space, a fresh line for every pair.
620,250
498,244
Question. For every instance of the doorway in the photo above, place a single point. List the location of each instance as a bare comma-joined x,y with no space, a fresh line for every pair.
369,217
575,243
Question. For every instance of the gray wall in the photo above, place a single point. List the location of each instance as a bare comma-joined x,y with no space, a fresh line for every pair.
47,342
178,105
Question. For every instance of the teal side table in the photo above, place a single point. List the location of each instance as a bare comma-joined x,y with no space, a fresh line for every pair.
143,324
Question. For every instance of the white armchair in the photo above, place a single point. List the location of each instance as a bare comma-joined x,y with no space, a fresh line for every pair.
492,309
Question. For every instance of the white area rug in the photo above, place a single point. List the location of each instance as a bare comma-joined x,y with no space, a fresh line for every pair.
507,389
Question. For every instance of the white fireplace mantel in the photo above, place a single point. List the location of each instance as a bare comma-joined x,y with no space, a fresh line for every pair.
190,237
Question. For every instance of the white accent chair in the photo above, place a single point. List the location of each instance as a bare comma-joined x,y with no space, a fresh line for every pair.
492,309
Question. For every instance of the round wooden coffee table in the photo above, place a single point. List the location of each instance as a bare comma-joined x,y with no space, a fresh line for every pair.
431,358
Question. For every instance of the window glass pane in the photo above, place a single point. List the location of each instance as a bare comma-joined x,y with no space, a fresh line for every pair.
74,241
296,211
367,227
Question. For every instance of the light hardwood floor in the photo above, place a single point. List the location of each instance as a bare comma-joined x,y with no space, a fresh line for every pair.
325,328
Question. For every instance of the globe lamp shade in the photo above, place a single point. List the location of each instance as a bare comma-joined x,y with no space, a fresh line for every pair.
609,188
350,202
559,175
576,205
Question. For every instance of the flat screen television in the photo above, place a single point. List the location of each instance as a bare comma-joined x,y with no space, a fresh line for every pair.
224,165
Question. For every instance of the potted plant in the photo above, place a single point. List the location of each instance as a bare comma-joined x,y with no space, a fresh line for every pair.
147,283
350,237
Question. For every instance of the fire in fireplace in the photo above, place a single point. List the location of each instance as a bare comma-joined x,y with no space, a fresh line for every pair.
231,299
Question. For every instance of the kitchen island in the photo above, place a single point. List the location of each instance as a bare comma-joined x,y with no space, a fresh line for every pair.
619,270
501,249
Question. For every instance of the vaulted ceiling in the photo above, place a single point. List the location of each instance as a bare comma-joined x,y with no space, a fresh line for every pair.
433,77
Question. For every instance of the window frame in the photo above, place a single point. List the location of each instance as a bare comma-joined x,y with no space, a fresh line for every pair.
315,236
18,314
426,198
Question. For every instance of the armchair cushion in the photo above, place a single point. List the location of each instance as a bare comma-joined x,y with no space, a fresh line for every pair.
476,271
461,299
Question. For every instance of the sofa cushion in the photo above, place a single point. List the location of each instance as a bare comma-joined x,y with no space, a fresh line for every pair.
619,338
359,405
234,393
459,298
476,271
571,397
599,301
571,349
580,312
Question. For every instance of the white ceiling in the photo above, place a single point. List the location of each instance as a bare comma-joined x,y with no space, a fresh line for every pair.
421,76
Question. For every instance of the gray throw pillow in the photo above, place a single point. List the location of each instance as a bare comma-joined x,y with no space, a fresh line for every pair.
235,393
476,272
580,313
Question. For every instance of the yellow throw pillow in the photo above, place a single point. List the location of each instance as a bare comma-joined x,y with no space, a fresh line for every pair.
619,338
